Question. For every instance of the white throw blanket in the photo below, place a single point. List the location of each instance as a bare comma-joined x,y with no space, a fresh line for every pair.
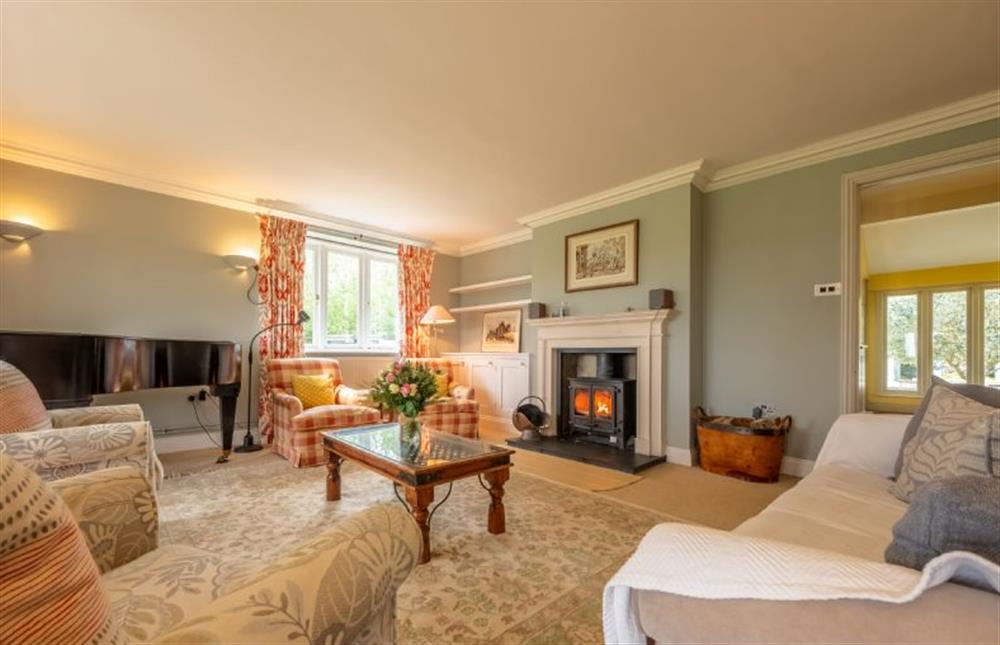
707,563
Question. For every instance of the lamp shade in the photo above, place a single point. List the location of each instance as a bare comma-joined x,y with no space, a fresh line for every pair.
437,315
18,231
240,262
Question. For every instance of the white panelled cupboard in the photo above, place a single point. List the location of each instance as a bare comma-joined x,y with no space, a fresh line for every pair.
500,380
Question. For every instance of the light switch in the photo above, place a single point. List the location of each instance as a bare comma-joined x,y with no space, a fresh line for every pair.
828,289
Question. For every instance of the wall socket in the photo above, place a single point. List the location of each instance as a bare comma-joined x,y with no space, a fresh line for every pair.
200,396
828,289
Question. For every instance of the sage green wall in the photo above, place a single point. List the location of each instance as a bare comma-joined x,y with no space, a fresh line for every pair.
767,338
669,257
445,275
497,264
116,260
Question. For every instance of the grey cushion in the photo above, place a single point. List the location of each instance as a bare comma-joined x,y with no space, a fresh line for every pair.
960,514
980,393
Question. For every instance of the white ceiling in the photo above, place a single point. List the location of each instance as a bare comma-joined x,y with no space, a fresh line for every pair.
449,121
963,236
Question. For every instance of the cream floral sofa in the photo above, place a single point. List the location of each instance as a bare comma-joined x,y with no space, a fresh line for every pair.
339,587
71,441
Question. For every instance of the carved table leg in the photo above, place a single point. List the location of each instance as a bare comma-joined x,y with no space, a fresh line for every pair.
497,521
333,476
420,499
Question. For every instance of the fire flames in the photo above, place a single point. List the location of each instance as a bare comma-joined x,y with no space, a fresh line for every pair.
603,403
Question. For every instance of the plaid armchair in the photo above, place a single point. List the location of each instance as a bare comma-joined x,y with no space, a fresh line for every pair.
457,413
296,430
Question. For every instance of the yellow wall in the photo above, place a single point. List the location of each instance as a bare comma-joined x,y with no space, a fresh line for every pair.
959,275
937,277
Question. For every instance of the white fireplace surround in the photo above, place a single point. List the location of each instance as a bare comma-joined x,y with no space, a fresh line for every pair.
639,330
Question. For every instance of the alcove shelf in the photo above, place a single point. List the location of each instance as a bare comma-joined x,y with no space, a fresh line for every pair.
491,306
493,284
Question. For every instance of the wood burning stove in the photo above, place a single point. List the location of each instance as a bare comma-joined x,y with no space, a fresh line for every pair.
602,408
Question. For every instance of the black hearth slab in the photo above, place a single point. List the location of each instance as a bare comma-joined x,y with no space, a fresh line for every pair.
588,453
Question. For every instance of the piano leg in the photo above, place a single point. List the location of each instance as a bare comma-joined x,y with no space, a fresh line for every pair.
227,419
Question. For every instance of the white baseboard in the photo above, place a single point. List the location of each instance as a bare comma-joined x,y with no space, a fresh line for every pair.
797,467
679,456
181,440
789,465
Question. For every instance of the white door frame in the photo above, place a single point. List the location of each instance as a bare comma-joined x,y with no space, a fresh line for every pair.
850,220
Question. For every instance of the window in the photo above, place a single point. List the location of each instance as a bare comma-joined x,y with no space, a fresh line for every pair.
901,342
991,337
952,333
351,295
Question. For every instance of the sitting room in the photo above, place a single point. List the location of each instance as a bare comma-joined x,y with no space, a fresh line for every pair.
462,322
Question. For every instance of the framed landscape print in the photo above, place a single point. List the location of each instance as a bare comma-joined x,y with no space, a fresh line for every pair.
603,257
502,331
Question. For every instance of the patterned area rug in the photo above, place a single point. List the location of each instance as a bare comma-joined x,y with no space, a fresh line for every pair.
540,582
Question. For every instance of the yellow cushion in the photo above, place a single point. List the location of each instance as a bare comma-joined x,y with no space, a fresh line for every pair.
314,389
442,383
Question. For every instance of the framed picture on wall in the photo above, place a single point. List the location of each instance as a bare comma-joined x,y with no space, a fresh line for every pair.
603,257
502,331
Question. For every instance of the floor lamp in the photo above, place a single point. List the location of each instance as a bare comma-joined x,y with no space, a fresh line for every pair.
434,318
248,444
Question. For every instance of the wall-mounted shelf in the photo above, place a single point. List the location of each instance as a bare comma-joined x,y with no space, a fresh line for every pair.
493,284
491,306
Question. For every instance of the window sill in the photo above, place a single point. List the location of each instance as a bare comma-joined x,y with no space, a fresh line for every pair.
335,353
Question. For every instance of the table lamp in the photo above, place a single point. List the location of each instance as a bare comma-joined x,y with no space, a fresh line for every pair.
434,318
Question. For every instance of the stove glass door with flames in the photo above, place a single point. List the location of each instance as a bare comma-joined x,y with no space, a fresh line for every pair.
604,403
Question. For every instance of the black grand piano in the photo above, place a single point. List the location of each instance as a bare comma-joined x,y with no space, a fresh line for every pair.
69,369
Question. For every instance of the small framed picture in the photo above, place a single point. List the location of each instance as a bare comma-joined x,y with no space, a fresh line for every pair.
502,331
603,257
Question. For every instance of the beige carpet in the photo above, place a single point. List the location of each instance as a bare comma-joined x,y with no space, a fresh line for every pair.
692,494
540,582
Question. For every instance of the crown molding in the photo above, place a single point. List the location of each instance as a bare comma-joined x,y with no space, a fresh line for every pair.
947,117
448,249
27,155
495,242
690,173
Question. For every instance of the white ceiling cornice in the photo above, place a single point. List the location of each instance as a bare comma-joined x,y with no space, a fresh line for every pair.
495,242
686,174
20,153
976,109
973,110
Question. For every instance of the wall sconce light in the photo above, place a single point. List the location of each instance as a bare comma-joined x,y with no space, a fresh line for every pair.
18,231
240,262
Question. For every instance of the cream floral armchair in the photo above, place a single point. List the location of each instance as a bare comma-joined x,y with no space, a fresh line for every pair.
67,442
339,587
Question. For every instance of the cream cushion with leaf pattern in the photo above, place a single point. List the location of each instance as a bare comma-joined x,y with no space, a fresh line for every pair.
952,440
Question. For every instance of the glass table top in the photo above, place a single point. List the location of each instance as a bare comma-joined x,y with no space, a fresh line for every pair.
414,447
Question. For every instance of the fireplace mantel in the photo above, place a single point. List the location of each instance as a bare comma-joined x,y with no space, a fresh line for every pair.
642,330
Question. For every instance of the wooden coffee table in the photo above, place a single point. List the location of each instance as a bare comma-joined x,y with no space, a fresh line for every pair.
417,461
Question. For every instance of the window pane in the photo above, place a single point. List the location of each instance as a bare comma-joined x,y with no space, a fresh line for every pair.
901,343
384,303
342,285
991,337
950,334
309,294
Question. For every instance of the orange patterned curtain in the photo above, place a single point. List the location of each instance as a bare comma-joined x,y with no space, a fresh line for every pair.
279,281
415,264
